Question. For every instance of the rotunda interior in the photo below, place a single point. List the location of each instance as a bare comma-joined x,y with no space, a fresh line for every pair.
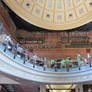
50,38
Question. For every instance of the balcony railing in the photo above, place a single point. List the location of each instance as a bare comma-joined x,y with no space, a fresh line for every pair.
20,55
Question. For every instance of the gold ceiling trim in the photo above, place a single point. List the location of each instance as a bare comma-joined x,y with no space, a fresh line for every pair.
53,14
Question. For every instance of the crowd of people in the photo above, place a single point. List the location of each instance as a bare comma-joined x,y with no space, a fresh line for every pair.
18,51
68,62
24,54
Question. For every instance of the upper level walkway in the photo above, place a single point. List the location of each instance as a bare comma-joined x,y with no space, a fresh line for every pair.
16,69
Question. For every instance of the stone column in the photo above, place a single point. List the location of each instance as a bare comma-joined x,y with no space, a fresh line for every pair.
42,88
79,88
0,88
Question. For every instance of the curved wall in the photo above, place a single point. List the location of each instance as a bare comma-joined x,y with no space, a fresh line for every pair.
17,69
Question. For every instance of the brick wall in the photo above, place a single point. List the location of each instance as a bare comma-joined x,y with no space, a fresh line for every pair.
54,39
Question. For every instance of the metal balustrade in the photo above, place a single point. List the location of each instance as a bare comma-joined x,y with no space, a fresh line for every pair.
46,69
30,65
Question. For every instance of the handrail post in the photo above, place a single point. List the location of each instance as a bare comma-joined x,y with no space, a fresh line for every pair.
33,65
90,63
44,68
67,69
5,49
24,61
79,68
55,69
15,54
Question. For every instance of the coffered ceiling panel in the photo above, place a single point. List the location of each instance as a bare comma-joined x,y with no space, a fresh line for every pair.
53,14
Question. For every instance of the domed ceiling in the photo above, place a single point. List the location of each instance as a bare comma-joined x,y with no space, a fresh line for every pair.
53,14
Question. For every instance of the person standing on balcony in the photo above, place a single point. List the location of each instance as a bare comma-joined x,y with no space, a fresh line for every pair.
52,63
89,59
62,63
20,52
70,62
15,49
7,41
79,59
67,63
44,60
35,59
25,56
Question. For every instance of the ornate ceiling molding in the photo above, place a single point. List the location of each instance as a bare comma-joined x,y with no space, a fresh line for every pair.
53,14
